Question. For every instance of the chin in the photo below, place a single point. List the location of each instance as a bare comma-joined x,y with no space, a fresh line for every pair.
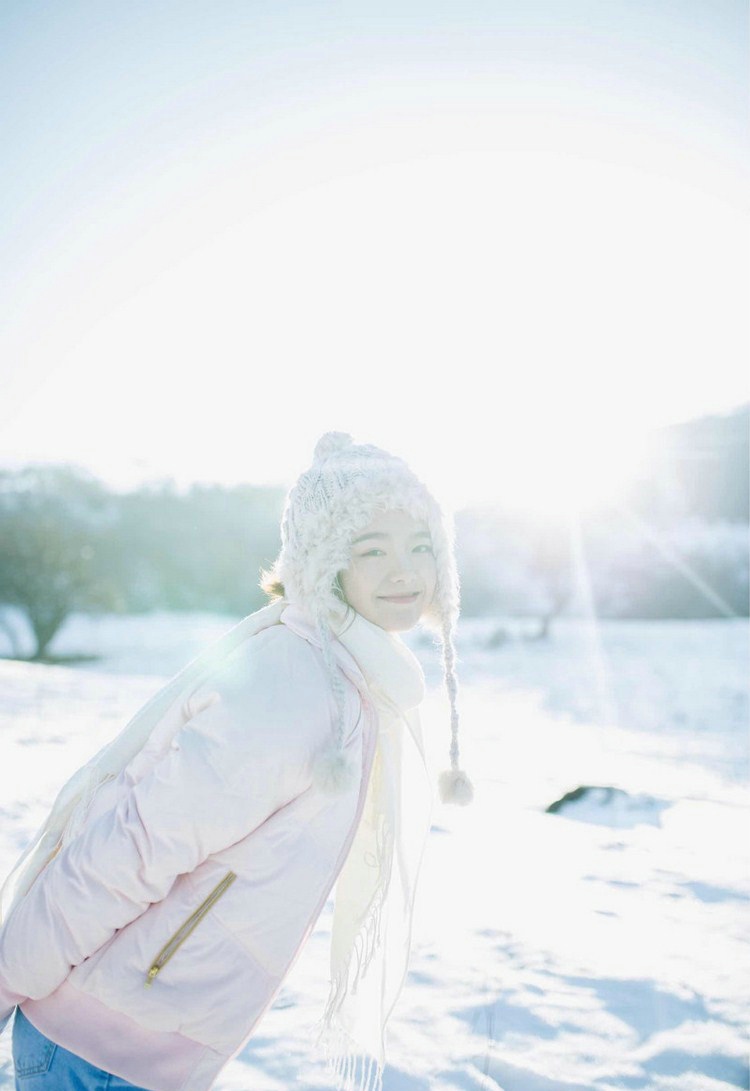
395,620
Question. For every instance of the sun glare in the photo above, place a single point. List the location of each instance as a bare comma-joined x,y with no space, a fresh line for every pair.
571,471
482,291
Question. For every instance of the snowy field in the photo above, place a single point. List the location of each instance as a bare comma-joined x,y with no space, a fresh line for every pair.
602,946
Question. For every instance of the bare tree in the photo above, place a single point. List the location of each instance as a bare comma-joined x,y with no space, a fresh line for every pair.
55,531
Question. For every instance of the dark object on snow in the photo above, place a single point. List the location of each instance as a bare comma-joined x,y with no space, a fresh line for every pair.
608,806
497,638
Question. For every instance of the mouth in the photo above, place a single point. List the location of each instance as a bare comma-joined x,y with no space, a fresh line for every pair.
401,598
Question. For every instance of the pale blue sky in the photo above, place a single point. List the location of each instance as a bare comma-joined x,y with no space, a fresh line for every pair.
488,221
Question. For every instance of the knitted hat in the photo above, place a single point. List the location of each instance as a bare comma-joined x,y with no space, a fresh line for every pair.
338,496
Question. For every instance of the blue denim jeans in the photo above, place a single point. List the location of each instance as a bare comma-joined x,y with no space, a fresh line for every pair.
42,1065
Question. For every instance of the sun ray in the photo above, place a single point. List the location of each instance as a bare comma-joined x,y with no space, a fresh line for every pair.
673,557
584,588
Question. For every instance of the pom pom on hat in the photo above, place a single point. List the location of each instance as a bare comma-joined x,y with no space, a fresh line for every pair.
330,443
455,787
334,772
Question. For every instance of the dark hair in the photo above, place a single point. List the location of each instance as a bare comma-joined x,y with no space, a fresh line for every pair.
272,586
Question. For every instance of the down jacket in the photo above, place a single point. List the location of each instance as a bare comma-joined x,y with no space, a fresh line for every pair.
153,943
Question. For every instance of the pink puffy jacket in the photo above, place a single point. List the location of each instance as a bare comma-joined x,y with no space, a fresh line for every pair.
153,943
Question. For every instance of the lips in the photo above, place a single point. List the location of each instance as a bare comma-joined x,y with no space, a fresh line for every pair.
401,598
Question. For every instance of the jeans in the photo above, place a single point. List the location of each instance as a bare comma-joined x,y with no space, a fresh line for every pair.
42,1065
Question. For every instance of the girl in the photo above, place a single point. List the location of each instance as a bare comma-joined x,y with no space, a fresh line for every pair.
182,869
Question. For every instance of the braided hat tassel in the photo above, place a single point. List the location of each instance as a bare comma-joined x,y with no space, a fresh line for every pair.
454,784
335,772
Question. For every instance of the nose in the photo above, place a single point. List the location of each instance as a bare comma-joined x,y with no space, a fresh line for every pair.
403,572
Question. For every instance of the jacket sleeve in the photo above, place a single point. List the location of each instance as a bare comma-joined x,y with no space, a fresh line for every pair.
246,753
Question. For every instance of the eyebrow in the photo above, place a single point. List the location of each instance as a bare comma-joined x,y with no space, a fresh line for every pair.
379,534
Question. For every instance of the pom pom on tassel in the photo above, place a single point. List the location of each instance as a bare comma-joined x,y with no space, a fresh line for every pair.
334,772
455,787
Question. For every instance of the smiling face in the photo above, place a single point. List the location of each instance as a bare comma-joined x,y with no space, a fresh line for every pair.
392,572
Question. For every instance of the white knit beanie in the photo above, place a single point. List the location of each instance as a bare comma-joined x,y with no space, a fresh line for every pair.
338,496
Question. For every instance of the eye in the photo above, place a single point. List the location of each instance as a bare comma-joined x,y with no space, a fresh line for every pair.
371,552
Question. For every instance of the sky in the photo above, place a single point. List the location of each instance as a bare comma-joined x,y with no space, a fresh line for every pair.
505,240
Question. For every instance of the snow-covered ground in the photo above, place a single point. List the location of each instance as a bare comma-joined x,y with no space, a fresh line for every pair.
602,946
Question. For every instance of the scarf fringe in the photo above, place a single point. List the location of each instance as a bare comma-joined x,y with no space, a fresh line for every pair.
342,1052
347,1064
370,935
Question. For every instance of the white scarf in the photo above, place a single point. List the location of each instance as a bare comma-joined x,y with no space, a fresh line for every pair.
374,898
375,889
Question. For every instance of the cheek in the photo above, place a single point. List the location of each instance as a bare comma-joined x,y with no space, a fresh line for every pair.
355,579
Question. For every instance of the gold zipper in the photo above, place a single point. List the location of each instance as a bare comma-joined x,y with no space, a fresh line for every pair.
187,927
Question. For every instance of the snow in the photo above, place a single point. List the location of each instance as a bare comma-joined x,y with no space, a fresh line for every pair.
601,946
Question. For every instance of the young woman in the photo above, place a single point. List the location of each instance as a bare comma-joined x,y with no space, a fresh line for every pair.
153,919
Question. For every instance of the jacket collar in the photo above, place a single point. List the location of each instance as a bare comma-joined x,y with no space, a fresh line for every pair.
296,618
372,657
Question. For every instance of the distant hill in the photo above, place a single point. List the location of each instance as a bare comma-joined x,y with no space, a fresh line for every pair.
701,467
